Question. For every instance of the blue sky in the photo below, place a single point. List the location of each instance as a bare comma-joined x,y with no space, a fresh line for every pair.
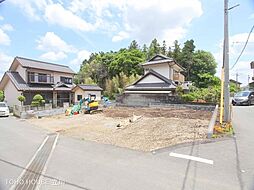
66,32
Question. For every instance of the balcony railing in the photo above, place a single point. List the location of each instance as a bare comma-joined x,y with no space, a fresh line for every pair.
40,78
178,77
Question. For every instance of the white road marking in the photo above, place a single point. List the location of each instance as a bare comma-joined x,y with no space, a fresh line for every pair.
29,163
47,162
188,157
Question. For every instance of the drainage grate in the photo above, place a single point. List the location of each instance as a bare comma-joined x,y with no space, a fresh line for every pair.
29,179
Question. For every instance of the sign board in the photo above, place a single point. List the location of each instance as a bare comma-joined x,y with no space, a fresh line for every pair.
252,65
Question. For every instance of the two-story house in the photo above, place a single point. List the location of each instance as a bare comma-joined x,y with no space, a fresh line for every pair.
161,75
29,77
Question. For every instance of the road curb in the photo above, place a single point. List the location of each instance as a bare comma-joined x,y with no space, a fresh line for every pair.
212,122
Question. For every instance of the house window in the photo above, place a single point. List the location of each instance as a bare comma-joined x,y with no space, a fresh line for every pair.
42,77
79,97
66,80
31,77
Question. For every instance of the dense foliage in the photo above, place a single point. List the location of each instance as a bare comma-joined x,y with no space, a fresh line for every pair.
37,100
1,96
22,99
110,68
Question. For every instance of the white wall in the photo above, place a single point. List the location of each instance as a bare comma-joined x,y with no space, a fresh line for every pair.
22,72
11,94
85,94
150,79
78,91
162,69
57,76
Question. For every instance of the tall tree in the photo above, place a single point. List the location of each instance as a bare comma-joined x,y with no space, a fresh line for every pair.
164,48
134,45
154,48
203,67
170,53
187,57
176,54
145,51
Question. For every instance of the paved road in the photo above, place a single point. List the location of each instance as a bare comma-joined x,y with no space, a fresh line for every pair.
88,165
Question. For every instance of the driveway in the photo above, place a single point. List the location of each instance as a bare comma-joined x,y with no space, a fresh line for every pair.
87,165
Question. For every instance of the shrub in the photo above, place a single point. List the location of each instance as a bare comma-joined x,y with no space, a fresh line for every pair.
188,97
21,98
1,95
37,100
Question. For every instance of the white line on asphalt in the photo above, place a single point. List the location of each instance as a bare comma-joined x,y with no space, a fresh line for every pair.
47,162
29,163
188,157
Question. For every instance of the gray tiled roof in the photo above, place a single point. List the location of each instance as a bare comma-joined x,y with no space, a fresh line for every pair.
89,87
30,63
17,80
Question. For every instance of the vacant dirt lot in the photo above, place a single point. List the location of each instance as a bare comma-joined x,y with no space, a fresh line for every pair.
143,129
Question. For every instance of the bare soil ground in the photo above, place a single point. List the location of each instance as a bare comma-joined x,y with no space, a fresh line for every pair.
148,130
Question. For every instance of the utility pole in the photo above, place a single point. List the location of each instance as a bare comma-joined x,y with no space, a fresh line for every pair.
226,64
236,76
248,82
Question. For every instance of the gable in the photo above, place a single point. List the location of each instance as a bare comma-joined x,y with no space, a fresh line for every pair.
158,57
150,79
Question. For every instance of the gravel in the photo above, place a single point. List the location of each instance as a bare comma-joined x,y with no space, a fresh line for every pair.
156,128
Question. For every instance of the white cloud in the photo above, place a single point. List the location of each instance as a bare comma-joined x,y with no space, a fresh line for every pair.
7,27
120,36
142,20
149,19
236,43
4,38
1,18
57,14
52,42
81,56
31,8
53,56
5,62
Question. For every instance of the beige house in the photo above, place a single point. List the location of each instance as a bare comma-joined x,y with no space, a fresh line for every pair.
161,75
82,91
29,77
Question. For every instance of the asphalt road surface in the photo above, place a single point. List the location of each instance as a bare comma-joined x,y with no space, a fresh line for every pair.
222,165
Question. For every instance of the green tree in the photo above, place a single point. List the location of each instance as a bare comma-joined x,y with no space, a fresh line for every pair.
176,54
128,62
187,57
154,48
203,67
22,99
170,53
134,45
164,48
1,95
37,100
145,51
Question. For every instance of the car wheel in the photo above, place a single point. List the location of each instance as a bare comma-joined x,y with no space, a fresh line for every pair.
249,103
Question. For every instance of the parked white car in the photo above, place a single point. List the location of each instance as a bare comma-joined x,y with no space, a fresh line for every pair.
4,109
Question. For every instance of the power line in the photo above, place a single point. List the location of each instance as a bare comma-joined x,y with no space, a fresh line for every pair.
243,48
